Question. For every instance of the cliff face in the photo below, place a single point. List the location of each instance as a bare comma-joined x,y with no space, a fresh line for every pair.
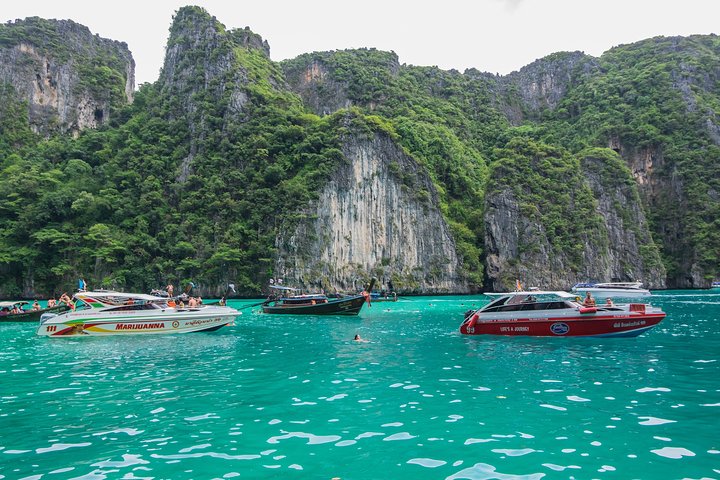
368,221
328,82
70,78
619,248
542,85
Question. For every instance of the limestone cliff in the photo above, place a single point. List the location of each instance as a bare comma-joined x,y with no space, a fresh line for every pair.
328,82
70,78
541,85
208,76
377,216
619,248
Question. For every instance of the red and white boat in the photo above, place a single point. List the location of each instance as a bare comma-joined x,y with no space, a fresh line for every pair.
557,314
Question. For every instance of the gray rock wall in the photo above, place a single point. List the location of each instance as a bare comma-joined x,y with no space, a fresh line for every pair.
622,249
54,77
367,222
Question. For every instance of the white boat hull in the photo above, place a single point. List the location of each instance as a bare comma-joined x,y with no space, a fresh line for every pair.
168,321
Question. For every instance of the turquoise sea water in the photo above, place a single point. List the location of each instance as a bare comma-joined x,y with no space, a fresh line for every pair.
295,397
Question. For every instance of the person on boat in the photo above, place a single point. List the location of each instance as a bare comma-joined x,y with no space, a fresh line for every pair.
35,306
51,302
65,299
222,302
192,303
16,309
4,311
589,300
609,302
169,289
198,301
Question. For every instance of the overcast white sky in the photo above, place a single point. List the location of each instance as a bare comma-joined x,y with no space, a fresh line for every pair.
496,36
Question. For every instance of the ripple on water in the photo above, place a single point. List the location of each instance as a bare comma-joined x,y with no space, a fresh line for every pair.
673,452
514,452
127,461
60,446
311,439
427,462
483,471
654,421
399,436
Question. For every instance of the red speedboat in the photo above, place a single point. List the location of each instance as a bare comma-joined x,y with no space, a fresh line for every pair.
557,314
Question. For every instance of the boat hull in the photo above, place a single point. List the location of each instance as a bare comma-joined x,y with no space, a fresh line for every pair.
77,324
340,306
32,315
592,325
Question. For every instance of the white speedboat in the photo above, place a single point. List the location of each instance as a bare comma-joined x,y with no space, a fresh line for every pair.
115,313
557,314
612,289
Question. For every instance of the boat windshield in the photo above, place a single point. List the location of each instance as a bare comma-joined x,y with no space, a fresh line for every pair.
80,305
516,303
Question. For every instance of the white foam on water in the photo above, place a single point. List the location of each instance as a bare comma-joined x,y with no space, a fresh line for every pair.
652,389
553,407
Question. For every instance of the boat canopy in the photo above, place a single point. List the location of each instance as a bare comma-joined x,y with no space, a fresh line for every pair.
280,287
108,297
534,293
623,285
12,304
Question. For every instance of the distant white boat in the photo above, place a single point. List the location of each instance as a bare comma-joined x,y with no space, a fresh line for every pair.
612,289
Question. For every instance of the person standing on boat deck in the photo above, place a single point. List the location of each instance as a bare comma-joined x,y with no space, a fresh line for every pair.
589,300
169,290
51,302
65,299
35,306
